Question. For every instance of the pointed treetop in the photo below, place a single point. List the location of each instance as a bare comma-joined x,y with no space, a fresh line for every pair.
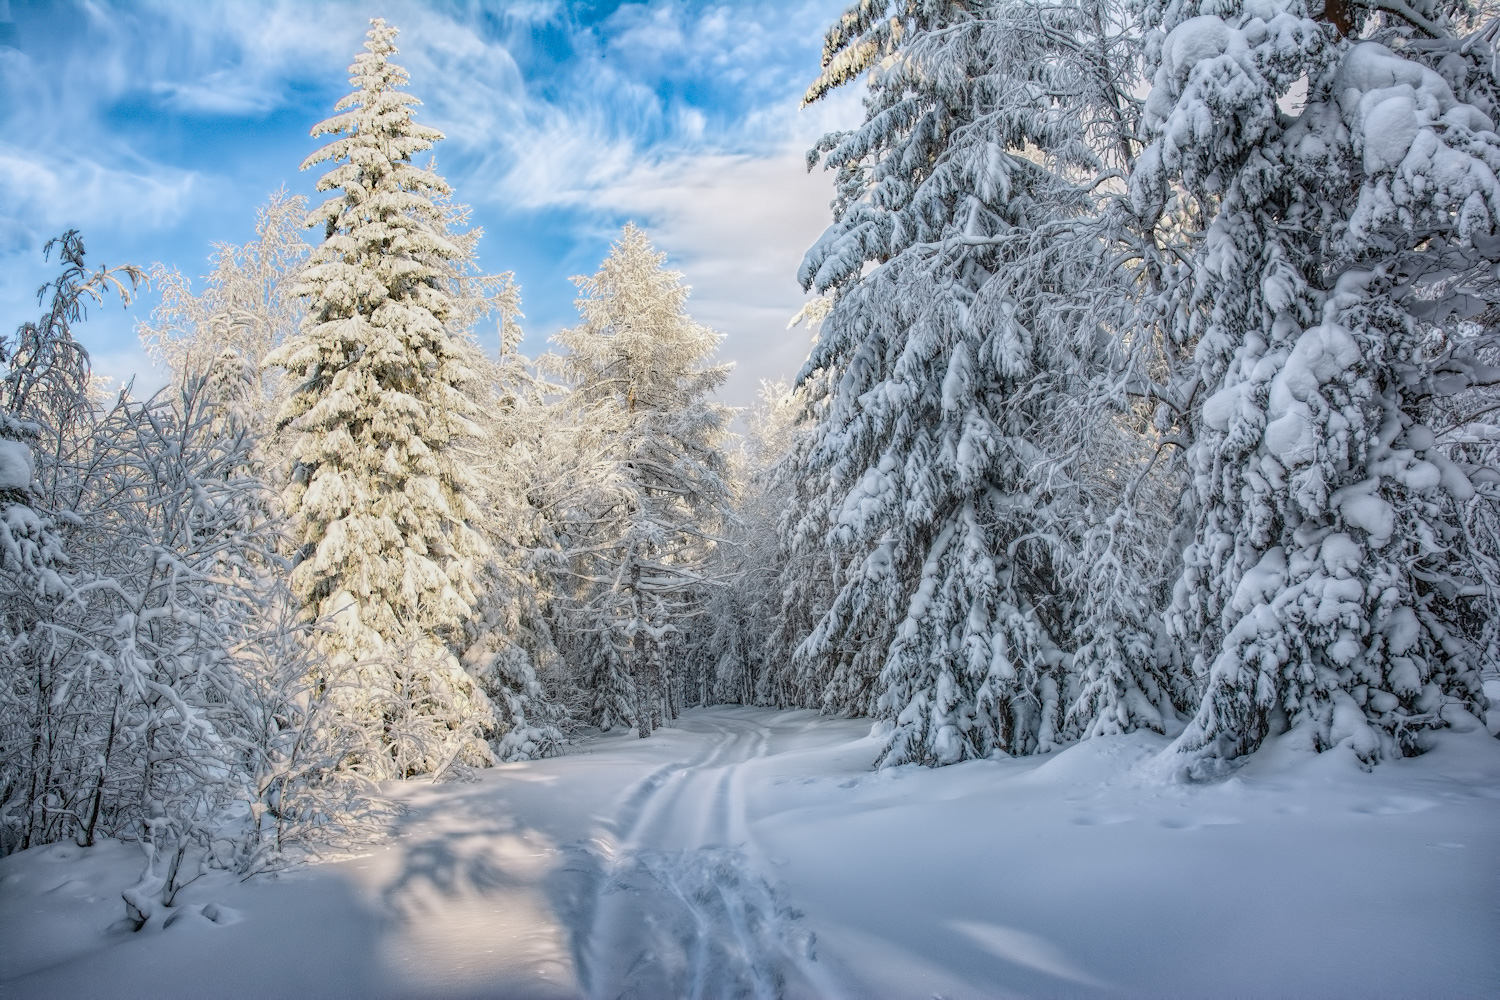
373,160
634,291
371,72
637,340
376,112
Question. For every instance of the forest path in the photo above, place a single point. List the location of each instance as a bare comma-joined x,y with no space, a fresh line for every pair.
627,870
753,853
674,904
692,805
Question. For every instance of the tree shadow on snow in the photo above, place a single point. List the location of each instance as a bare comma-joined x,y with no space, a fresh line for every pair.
447,865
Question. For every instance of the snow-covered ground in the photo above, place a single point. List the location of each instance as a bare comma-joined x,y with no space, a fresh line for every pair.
753,853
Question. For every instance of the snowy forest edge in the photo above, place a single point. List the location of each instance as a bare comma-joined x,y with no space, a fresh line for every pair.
1124,412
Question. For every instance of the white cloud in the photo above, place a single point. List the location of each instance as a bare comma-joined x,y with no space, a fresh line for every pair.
52,195
234,60
53,191
534,12
126,365
64,161
531,150
217,93
616,132
737,224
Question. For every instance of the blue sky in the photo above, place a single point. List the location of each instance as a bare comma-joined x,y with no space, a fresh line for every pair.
156,128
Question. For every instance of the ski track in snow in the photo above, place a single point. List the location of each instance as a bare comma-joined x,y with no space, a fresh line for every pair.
672,905
664,803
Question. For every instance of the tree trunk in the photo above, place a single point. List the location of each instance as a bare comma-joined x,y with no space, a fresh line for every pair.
114,722
640,666
1340,14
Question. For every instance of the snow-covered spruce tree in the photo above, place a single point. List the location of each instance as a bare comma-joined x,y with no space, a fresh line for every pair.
955,366
1125,672
382,399
1465,429
1323,587
808,562
651,484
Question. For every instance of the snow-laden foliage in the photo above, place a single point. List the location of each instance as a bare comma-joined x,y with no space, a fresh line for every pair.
1328,582
154,683
977,303
735,652
384,374
806,561
647,490
1287,252
1172,412
246,310
45,409
180,622
510,646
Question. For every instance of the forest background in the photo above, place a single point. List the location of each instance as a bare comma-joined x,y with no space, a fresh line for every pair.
1120,415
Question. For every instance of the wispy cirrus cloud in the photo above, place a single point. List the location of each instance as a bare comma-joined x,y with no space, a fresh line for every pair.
157,127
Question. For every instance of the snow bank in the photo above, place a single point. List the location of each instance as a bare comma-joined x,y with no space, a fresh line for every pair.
753,853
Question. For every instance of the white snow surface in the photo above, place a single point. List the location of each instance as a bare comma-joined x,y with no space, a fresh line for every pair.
15,465
746,852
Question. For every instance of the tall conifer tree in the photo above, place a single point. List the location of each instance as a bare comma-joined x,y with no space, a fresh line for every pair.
1325,584
972,302
650,443
381,505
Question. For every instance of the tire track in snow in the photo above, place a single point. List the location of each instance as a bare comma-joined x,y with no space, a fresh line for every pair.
673,907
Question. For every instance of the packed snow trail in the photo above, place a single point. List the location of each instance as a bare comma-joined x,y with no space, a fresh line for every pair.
690,805
749,853
670,905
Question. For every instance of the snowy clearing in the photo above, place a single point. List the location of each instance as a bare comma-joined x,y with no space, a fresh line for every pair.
746,852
